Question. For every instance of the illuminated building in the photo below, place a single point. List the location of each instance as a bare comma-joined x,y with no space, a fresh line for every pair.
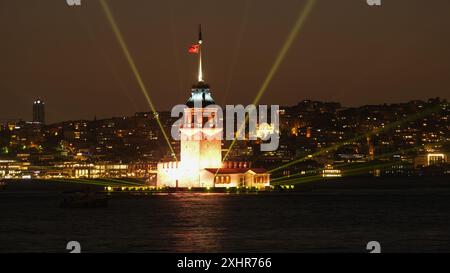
39,111
430,159
434,159
330,172
200,164
11,169
308,132
89,170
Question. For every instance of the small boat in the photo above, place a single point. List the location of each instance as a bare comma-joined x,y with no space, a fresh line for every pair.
84,200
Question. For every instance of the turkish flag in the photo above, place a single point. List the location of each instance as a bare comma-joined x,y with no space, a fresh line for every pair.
194,49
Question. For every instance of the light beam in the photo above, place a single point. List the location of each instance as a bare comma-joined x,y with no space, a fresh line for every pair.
390,126
133,67
304,13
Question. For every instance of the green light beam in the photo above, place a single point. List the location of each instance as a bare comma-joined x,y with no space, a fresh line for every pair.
385,128
349,163
304,13
351,172
123,45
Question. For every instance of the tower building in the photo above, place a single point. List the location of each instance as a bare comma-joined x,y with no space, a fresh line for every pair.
39,111
200,164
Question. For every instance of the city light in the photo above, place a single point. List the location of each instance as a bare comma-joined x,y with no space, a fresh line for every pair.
390,126
218,135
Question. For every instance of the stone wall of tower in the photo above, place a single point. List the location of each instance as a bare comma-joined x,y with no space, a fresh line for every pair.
196,155
168,174
201,147
210,154
190,158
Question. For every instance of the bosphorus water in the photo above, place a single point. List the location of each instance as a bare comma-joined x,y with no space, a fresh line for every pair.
327,220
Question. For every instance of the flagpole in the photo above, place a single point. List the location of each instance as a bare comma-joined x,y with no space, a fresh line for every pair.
200,41
200,72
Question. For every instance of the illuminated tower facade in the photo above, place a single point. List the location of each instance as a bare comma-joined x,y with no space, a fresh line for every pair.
201,142
200,137
39,111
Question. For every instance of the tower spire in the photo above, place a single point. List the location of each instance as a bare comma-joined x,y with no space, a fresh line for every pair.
200,41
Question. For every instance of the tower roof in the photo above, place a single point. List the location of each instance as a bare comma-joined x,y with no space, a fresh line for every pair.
200,95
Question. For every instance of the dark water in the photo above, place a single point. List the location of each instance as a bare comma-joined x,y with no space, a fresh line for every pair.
327,221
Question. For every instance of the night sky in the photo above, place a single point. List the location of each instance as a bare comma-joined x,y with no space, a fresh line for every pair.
347,51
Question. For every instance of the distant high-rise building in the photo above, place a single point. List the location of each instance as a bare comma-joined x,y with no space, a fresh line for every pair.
39,111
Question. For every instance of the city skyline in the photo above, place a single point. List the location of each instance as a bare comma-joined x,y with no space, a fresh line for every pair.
30,117
384,66
200,129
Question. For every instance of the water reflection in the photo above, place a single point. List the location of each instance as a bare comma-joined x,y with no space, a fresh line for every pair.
199,222
198,215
